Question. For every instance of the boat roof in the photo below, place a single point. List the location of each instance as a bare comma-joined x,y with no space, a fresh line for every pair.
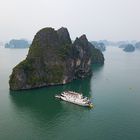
72,93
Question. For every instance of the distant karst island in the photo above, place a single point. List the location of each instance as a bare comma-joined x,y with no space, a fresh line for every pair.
53,60
17,43
127,47
99,45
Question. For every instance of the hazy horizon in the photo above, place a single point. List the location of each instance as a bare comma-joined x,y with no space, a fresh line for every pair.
109,19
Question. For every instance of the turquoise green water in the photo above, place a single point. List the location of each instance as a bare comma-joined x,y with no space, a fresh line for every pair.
35,115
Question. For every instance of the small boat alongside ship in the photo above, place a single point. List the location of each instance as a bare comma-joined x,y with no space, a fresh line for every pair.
75,98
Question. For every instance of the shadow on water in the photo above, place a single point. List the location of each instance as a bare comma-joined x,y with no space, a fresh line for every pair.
41,104
97,72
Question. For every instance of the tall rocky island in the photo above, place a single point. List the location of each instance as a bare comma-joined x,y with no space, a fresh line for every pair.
53,59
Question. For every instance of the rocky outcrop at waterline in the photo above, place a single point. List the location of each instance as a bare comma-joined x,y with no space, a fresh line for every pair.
53,59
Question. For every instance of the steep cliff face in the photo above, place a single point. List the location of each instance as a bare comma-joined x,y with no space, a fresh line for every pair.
82,54
53,59
97,56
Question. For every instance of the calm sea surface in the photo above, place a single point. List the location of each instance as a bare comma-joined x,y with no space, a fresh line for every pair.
36,115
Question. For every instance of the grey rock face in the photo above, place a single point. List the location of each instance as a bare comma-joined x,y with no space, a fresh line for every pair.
83,57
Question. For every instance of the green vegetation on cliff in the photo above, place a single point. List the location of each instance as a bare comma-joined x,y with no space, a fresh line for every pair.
64,51
26,65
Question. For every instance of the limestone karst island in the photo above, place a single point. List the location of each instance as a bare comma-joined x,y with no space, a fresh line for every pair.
53,59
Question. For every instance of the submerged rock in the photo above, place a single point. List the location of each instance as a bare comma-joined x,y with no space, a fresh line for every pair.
53,59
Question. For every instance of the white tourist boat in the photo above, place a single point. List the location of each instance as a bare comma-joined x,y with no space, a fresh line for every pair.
75,98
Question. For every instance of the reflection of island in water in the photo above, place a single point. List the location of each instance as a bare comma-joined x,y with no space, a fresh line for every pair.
41,105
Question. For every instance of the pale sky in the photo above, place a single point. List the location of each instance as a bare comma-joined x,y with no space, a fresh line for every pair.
98,19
